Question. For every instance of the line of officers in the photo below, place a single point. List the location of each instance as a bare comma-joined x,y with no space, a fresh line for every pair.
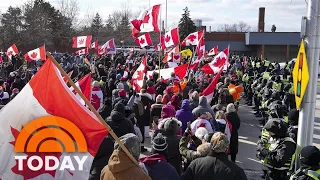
271,90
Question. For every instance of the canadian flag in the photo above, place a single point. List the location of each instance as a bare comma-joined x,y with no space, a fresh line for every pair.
109,47
46,95
144,40
213,51
100,51
174,55
161,43
179,71
200,50
171,38
36,54
13,50
219,61
193,39
84,84
209,91
81,41
94,45
147,21
138,76
82,51
69,75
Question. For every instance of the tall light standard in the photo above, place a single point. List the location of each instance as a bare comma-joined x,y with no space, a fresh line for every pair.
166,15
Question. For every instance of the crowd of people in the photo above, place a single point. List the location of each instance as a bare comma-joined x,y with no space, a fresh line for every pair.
191,138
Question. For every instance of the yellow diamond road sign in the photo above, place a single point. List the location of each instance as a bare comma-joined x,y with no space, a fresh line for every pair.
300,75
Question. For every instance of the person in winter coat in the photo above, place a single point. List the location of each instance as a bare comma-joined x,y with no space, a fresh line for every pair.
4,97
120,126
175,101
202,108
122,97
151,90
234,119
120,167
157,164
184,115
139,111
293,119
96,95
194,100
276,154
156,109
118,122
170,129
17,83
168,93
166,112
310,164
216,164
111,84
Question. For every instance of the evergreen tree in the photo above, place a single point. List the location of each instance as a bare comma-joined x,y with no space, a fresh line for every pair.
11,22
96,26
186,25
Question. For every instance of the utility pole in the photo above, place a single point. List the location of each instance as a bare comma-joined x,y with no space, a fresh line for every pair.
312,42
166,16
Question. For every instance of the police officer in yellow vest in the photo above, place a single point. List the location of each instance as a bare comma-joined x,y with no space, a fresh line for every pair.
310,164
278,154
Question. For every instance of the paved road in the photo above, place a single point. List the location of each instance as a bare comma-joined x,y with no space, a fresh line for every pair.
248,136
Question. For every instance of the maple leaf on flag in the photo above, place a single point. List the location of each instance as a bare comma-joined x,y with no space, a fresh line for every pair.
146,18
28,173
34,55
192,37
140,75
176,57
219,62
167,38
141,41
81,41
95,101
9,53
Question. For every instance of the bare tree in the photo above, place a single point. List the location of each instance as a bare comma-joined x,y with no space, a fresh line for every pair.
236,27
70,9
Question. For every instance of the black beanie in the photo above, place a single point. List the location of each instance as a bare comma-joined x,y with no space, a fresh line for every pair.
310,155
159,144
119,107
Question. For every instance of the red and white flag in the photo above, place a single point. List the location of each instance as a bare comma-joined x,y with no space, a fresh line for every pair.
209,91
81,41
84,84
161,42
13,50
144,40
46,95
147,21
174,55
193,39
219,61
109,47
36,54
138,76
171,38
200,50
179,71
94,45
101,51
69,75
213,51
82,51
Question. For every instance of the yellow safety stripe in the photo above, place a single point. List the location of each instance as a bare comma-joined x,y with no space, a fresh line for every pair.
314,174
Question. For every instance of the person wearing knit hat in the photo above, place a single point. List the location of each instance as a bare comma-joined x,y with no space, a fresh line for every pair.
156,109
216,164
201,132
120,166
310,164
157,164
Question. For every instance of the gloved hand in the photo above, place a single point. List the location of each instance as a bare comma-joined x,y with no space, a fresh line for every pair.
264,152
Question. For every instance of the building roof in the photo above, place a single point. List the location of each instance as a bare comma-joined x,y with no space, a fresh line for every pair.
270,38
234,45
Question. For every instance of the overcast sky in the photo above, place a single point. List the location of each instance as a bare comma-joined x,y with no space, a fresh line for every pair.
285,14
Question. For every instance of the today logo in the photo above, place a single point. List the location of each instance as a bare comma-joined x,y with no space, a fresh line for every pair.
45,139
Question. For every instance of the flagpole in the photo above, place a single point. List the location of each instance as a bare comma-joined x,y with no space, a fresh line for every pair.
93,109
160,42
166,15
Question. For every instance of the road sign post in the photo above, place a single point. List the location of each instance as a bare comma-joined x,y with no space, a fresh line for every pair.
307,107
